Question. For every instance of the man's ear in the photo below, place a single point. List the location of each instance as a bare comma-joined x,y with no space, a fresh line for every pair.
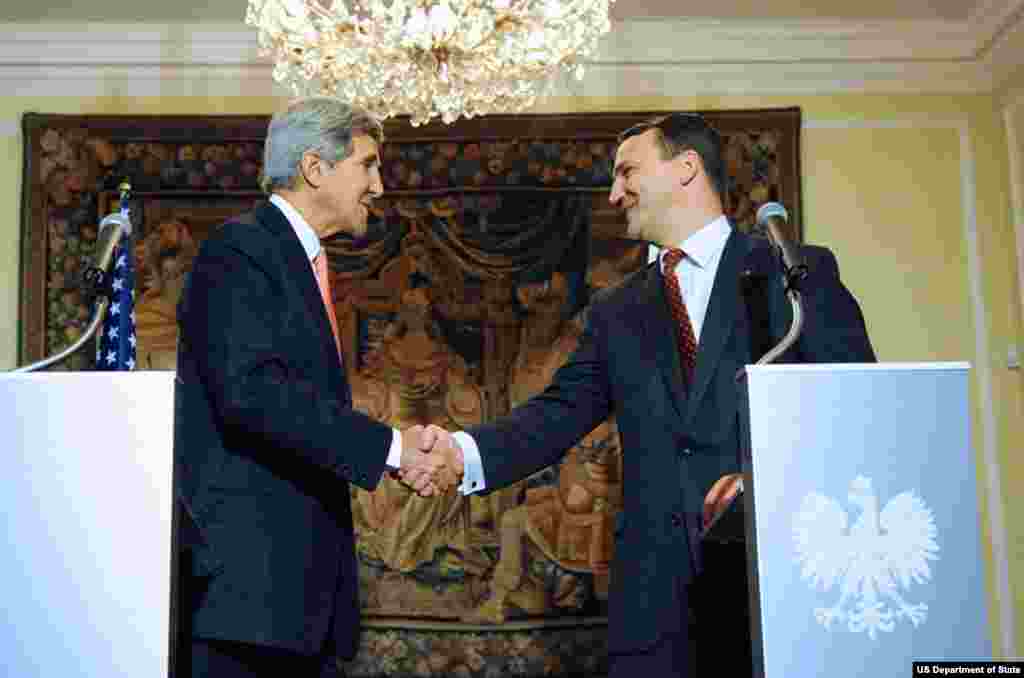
311,167
690,165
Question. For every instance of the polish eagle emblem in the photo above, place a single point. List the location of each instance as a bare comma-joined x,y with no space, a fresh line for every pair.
873,560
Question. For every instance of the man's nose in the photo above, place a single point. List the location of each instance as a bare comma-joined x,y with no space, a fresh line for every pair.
616,195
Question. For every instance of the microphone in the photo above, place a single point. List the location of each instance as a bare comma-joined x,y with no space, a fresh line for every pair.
775,220
96,278
96,275
112,228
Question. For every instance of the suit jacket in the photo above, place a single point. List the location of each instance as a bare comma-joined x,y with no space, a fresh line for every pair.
677,439
266,443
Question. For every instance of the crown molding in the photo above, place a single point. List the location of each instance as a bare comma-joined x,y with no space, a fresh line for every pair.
679,55
139,81
737,41
1005,55
990,18
127,44
601,81
767,79
664,40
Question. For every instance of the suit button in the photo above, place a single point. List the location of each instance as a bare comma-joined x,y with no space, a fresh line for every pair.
687,451
677,520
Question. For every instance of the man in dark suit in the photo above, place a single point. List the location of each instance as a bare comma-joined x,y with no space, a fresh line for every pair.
266,440
661,351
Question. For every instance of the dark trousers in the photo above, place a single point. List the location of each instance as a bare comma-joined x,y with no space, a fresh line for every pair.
672,655
193,657
225,659
714,637
721,605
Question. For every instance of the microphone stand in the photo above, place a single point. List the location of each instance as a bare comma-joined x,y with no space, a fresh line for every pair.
722,498
98,283
794,271
99,289
794,275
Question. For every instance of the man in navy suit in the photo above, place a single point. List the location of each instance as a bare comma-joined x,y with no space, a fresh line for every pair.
266,440
671,384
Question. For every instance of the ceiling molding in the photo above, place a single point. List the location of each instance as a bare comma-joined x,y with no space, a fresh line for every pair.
127,44
767,79
821,40
1006,55
992,17
602,80
679,55
139,81
667,39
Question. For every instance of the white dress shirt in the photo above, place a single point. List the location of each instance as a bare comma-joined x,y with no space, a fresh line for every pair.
696,273
311,244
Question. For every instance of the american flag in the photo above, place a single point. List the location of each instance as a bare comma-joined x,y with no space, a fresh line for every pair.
116,348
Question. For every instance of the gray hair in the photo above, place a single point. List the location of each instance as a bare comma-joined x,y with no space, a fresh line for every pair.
324,125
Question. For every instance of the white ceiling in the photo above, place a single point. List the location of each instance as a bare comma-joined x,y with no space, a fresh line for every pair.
714,47
189,11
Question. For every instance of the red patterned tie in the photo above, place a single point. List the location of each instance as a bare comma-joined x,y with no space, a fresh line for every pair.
687,340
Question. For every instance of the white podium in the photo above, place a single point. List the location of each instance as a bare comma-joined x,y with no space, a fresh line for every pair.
85,524
863,538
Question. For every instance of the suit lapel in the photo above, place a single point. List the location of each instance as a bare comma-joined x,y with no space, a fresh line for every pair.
299,269
661,335
719,321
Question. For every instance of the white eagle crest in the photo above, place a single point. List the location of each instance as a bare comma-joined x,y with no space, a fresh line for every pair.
880,554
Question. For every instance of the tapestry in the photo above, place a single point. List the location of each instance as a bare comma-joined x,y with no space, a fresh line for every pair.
465,296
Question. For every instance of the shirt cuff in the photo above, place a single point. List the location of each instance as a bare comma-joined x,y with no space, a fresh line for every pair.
472,466
395,453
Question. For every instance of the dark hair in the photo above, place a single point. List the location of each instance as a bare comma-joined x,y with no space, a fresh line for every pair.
678,132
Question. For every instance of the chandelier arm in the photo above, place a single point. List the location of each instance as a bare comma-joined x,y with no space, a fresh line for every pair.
491,35
315,7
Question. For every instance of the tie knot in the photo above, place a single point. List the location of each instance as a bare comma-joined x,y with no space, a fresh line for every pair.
672,258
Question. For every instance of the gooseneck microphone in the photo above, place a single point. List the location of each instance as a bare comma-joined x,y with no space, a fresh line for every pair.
97,274
96,279
774,218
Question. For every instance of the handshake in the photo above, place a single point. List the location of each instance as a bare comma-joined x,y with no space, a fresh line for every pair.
432,462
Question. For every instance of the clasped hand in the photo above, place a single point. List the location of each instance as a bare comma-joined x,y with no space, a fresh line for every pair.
432,462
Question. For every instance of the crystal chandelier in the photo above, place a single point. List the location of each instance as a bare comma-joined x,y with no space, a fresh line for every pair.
428,58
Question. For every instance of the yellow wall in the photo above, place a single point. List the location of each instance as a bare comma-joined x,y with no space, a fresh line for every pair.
1013,409
893,184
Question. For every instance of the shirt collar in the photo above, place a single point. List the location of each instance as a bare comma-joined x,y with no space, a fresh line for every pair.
703,246
307,236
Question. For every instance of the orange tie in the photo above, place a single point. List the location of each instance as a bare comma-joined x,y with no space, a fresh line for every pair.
324,281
